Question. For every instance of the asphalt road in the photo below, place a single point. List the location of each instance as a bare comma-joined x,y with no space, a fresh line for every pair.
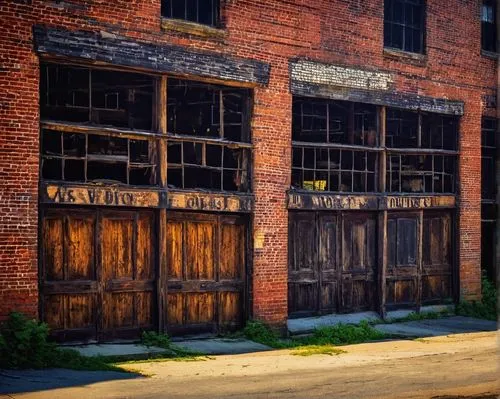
463,365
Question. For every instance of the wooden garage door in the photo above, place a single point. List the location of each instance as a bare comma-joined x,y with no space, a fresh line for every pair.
205,272
332,263
402,259
419,270
97,272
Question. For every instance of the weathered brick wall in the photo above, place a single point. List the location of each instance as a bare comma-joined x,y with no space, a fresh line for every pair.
337,32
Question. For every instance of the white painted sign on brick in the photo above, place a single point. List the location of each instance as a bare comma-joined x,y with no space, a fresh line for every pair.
333,75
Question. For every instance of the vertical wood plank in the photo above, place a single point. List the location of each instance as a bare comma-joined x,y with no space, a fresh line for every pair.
420,258
162,225
382,262
382,155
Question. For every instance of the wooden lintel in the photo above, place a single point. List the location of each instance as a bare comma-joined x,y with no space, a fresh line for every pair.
96,195
210,202
316,201
320,201
414,202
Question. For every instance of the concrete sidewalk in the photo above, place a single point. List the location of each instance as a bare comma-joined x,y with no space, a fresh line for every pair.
463,365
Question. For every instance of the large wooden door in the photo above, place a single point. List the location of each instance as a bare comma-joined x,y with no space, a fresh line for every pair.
437,275
402,259
127,273
206,260
97,273
419,269
332,262
68,274
358,272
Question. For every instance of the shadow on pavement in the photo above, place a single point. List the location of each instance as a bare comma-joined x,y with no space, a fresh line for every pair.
21,381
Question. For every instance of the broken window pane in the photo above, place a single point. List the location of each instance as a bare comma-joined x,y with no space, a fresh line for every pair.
327,121
202,110
75,94
200,164
88,158
421,173
401,129
200,11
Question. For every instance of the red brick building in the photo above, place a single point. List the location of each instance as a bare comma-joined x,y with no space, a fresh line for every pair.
188,165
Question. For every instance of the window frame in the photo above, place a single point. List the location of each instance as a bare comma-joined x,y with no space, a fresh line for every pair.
167,11
405,26
489,45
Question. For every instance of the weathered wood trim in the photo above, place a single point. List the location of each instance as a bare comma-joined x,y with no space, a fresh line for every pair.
414,202
214,202
300,200
192,28
98,195
390,99
336,146
71,127
382,263
320,201
122,51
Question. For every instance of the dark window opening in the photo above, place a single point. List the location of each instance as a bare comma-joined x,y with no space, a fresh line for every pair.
207,165
405,129
203,110
489,25
324,169
331,146
404,25
99,97
209,132
204,12
92,158
341,122
489,211
421,173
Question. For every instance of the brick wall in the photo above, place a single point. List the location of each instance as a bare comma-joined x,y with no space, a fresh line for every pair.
344,33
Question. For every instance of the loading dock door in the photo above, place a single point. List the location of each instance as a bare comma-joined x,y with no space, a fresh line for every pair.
97,278
205,272
332,262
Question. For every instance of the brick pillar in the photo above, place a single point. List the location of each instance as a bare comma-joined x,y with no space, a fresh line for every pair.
271,128
19,132
469,233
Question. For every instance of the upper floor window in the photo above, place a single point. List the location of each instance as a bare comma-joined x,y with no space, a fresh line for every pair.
404,25
334,146
204,12
488,159
208,136
488,26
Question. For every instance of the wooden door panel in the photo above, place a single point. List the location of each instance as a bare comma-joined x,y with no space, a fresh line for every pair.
69,288
200,251
206,256
174,238
53,247
232,253
127,268
358,262
402,274
116,253
81,248
436,267
302,297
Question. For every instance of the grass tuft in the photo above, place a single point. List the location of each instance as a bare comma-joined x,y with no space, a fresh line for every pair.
311,350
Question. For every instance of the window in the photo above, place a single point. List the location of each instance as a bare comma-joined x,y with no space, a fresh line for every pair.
404,25
94,158
488,197
208,145
334,146
204,12
98,127
421,152
488,25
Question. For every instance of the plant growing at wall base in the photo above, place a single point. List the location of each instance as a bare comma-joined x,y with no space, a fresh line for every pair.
484,309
